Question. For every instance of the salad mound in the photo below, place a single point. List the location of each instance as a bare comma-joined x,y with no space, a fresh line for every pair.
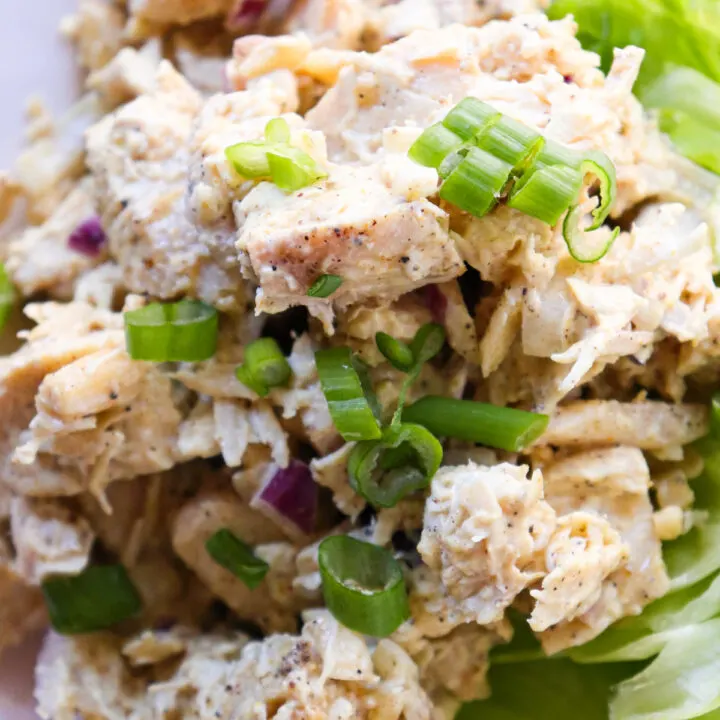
360,361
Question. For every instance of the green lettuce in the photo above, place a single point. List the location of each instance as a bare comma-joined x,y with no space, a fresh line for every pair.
556,689
672,32
679,75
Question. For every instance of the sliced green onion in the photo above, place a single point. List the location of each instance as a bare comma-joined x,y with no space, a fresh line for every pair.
348,394
511,141
363,585
7,296
427,343
403,461
583,247
277,131
184,331
477,182
292,168
500,427
554,153
97,598
598,165
469,117
434,145
249,159
395,351
546,193
265,367
325,286
230,552
452,161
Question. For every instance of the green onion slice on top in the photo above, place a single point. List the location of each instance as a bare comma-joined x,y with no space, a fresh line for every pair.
500,427
99,597
292,168
277,131
324,286
404,460
275,159
483,157
477,182
511,141
426,344
7,296
265,367
434,145
363,585
470,117
346,387
184,331
228,551
395,351
546,193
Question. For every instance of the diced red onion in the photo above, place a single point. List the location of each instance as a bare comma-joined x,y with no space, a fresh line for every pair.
436,302
88,237
290,498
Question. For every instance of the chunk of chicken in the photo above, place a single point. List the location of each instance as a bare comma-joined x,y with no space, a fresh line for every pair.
583,551
213,185
453,667
584,317
613,484
209,512
328,671
64,334
85,677
648,425
39,259
520,66
107,415
102,676
484,531
351,225
49,538
138,157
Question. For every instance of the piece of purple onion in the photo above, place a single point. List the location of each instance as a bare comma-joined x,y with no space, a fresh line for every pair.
88,237
290,498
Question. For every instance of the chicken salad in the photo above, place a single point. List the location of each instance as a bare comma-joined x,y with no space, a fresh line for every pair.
365,364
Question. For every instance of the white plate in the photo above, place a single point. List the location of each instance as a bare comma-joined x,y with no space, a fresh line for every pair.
33,60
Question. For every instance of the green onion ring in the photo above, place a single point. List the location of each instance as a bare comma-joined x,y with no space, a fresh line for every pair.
395,351
349,397
99,597
363,585
324,286
265,366
184,331
231,553
403,461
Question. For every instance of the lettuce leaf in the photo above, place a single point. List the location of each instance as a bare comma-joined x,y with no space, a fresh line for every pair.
682,682
688,105
556,689
673,32
696,555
